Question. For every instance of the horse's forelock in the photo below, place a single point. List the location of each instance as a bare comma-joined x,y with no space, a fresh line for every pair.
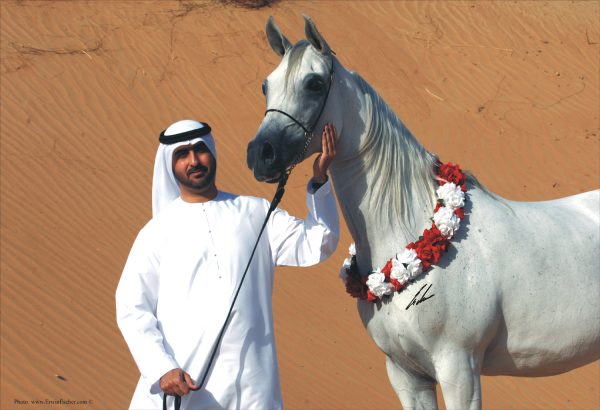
296,54
295,61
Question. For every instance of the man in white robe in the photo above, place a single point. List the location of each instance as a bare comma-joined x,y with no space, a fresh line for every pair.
184,267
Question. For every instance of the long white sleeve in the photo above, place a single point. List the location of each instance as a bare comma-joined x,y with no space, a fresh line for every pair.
136,301
177,287
296,242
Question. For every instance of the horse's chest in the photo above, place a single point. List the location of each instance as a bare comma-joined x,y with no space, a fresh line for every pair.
407,326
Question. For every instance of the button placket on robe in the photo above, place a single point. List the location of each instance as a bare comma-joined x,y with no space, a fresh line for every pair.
211,297
212,239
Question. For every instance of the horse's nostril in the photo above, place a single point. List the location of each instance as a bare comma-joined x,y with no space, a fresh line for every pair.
268,154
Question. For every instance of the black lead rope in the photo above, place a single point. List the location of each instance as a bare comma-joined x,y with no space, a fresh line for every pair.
177,402
308,134
276,199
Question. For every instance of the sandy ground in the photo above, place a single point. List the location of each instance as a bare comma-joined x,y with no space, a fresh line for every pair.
509,90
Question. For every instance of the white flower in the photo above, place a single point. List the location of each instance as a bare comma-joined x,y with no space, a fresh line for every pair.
404,279
345,267
352,249
401,274
398,269
378,286
407,256
414,268
452,195
347,263
406,265
446,221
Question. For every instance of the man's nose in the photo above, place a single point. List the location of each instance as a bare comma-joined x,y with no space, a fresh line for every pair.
192,158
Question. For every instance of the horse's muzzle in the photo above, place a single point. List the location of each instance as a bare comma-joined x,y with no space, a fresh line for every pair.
263,159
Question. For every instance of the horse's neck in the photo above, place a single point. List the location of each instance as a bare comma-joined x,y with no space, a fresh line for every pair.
384,182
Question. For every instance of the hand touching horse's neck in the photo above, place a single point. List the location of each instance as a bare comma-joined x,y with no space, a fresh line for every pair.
385,184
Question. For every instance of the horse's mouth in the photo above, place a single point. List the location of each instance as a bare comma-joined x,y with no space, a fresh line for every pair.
277,176
269,180
268,163
273,180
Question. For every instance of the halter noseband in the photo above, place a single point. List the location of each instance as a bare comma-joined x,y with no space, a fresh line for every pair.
308,133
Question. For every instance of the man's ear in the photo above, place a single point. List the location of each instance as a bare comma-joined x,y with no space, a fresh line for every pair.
278,42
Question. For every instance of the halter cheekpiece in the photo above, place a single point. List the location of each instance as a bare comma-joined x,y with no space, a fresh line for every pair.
308,132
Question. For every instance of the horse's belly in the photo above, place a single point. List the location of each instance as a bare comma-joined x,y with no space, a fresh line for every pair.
547,326
551,332
548,275
540,359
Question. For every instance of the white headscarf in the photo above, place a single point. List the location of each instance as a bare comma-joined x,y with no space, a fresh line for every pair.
165,188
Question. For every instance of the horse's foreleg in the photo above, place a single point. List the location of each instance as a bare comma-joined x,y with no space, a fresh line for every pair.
458,375
415,392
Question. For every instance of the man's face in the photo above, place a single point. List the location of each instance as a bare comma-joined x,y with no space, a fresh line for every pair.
194,167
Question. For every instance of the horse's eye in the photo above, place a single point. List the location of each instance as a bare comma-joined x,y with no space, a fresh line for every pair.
264,87
314,83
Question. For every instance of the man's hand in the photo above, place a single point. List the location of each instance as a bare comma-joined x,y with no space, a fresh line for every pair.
323,160
176,382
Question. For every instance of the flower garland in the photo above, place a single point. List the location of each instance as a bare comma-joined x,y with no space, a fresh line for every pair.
419,256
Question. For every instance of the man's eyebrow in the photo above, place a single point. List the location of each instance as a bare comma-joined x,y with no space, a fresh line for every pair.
188,147
183,148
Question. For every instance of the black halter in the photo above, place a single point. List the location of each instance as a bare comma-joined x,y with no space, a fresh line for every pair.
308,132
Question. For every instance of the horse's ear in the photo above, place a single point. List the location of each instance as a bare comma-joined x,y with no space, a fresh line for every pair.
314,37
278,42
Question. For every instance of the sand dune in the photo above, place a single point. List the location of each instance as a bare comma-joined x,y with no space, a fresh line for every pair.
508,90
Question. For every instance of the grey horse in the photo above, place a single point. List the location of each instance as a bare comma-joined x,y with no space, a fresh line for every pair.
518,292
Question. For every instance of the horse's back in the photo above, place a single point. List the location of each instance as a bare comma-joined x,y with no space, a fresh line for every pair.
547,269
587,205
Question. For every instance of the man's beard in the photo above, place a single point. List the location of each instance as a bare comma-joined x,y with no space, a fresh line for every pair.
204,183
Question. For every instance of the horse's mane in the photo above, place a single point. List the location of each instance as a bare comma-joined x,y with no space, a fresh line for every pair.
399,161
390,152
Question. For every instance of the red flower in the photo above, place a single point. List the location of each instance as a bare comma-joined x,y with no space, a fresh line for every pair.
430,247
387,269
356,288
437,252
432,235
425,253
396,284
452,173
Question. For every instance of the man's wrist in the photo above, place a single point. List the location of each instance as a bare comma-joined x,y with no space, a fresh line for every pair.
315,184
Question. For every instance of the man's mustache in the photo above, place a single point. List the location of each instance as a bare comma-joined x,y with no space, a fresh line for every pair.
200,168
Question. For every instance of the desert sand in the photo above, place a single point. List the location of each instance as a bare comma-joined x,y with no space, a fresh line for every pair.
509,90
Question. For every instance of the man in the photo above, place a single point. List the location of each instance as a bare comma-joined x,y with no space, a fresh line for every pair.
186,263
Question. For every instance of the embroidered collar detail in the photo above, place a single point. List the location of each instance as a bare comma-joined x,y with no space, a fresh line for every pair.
417,257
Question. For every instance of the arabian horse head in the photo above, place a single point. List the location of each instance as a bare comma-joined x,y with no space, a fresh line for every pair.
298,96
